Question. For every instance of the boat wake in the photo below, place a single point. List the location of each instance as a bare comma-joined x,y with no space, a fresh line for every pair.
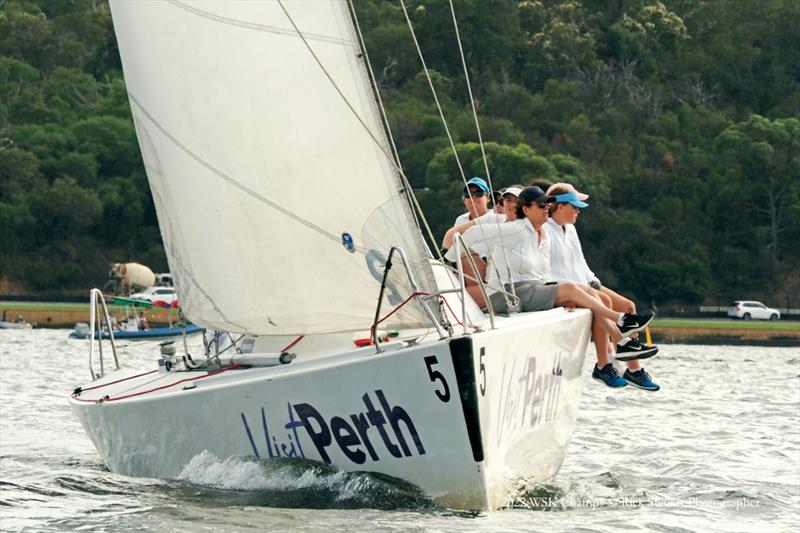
298,483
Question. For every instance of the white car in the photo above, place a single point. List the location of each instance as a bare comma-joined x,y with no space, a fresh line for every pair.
167,295
747,309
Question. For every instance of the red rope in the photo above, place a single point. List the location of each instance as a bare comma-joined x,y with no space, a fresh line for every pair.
292,343
455,317
404,302
118,381
140,393
397,308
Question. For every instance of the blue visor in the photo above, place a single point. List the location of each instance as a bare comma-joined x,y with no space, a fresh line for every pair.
570,198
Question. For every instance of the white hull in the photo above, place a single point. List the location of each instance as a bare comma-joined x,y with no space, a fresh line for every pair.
465,419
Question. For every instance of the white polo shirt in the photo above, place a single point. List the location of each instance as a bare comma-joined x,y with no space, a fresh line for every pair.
488,218
517,253
566,255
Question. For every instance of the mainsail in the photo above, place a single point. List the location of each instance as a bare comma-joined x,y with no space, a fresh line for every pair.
276,204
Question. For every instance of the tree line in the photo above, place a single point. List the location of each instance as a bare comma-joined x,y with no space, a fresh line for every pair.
678,117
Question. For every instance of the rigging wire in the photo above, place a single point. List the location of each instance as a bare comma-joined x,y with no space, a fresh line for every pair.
372,135
409,190
444,121
480,142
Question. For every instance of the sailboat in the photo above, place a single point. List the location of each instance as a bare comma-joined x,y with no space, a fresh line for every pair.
281,212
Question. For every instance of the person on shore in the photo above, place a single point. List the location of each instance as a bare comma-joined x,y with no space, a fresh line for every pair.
521,257
568,263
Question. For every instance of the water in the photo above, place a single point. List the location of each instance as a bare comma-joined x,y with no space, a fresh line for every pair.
717,449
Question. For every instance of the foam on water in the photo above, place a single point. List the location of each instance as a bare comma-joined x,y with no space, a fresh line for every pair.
301,483
243,473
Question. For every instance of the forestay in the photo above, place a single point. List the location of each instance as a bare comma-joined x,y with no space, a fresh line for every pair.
261,174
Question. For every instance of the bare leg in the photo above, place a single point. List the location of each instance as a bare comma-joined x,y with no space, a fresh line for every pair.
475,291
600,338
573,293
619,302
470,276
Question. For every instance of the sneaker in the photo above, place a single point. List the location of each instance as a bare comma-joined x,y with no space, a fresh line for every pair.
640,379
608,375
634,349
635,323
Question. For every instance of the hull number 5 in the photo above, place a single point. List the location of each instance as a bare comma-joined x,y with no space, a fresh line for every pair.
435,375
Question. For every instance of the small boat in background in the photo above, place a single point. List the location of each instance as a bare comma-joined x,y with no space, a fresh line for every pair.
81,331
21,324
134,325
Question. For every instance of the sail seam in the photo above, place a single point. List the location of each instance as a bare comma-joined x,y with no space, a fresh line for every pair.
232,181
257,27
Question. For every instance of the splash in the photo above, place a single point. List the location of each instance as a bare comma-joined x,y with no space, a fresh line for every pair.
298,483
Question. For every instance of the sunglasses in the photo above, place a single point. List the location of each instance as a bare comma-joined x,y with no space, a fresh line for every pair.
540,205
477,194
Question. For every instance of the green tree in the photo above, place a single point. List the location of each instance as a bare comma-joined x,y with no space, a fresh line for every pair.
762,156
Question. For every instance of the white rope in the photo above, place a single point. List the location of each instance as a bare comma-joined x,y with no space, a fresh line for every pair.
441,116
480,142
399,165
378,143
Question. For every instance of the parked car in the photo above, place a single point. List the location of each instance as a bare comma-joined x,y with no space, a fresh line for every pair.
747,309
165,296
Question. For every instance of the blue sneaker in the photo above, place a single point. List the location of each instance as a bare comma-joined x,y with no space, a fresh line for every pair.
640,379
608,375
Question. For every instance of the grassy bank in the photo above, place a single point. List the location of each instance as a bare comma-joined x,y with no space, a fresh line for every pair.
61,315
66,315
727,324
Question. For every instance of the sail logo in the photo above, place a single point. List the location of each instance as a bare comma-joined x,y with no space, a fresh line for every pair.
377,430
347,242
530,400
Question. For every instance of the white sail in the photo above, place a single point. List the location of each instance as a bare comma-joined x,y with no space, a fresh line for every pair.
260,169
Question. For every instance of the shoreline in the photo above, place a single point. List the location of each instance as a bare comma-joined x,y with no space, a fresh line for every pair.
663,330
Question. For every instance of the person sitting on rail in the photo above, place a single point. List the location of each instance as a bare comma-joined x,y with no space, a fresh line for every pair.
568,263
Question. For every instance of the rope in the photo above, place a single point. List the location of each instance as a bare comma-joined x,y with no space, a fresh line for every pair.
480,142
447,304
298,339
377,142
399,165
397,308
404,302
471,98
140,393
115,382
444,121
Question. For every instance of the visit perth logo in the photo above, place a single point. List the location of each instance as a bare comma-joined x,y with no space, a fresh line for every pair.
376,431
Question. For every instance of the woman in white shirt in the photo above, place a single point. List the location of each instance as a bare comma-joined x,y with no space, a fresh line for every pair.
569,264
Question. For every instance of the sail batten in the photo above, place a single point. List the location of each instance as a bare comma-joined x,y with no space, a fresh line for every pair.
276,201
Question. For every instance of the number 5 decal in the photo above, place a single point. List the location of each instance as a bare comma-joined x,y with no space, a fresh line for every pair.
483,371
444,394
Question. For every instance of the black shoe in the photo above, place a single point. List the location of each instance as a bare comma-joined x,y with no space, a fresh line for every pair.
635,323
608,375
634,349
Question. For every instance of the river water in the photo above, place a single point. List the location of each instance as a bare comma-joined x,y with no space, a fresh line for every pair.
717,449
